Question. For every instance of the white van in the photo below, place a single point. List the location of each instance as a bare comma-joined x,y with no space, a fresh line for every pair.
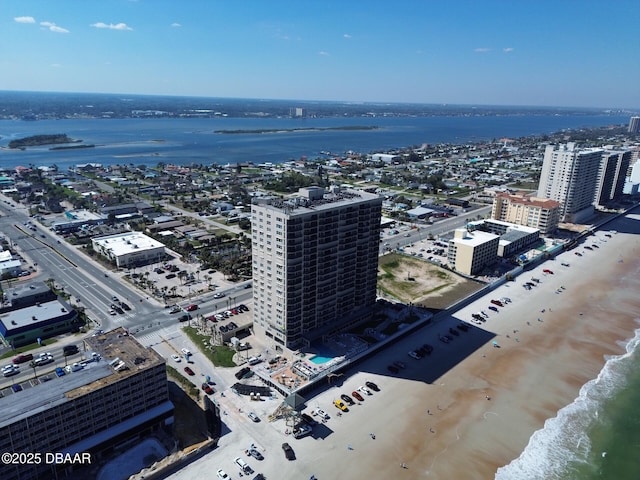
254,360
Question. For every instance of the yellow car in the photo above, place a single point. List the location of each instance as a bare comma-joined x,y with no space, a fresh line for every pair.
340,404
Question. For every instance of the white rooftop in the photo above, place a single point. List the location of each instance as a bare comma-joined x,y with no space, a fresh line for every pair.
129,242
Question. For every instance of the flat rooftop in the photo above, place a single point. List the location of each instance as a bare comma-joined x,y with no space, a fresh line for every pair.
33,315
112,345
298,204
129,242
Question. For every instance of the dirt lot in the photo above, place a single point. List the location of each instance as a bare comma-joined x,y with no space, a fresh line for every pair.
409,279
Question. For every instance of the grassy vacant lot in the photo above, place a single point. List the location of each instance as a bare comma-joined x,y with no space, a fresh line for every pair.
220,356
411,279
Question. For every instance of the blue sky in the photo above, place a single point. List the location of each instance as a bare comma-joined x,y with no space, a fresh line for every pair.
511,52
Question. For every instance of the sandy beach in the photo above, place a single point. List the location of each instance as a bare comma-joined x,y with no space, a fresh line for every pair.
471,406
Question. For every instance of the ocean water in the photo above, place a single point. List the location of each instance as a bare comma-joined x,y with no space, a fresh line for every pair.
192,140
597,436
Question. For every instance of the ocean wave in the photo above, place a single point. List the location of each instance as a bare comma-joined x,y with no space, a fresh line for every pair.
563,442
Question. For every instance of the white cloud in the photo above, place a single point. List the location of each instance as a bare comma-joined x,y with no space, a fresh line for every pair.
176,25
508,50
25,19
112,26
56,65
481,50
323,53
346,35
53,27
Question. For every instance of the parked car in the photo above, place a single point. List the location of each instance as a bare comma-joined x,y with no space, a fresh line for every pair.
321,413
393,369
414,354
546,270
255,453
364,390
189,371
246,469
176,358
341,405
357,396
497,302
60,372
347,399
399,364
222,475
207,389
255,418
16,387
372,386
288,451
186,352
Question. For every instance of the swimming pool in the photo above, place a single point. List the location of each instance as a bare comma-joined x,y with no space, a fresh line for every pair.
320,359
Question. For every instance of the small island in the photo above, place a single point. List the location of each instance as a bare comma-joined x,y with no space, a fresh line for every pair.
308,129
39,140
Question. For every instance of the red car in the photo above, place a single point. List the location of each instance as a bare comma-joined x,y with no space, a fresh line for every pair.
357,396
191,308
207,389
212,318
23,358
497,302
546,270
189,371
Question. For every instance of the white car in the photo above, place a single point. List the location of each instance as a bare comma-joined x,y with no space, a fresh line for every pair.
186,352
222,474
364,390
246,469
218,295
175,358
321,413
254,417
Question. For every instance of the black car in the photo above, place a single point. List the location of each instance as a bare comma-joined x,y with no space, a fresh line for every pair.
119,310
347,399
393,369
372,386
288,451
70,350
308,419
242,372
183,318
454,331
125,306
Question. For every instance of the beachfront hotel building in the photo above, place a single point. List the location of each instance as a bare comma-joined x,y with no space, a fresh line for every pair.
131,249
118,395
315,262
472,250
634,125
612,175
542,214
569,176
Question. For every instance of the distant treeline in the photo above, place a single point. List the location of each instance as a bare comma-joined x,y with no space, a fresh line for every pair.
314,129
37,140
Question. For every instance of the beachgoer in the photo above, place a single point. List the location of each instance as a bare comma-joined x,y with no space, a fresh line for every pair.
488,397
428,412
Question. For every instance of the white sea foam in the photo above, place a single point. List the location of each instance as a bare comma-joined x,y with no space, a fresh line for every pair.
563,439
